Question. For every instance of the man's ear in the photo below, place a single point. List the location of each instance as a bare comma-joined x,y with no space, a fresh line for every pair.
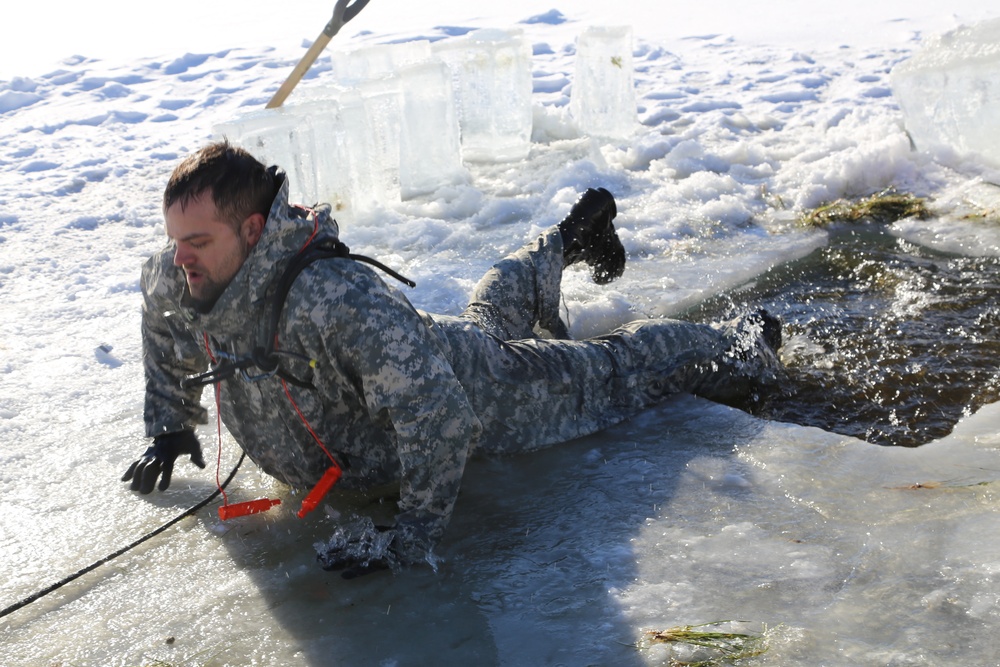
252,229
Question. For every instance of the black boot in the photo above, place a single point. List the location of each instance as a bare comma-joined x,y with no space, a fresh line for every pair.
771,329
752,329
588,235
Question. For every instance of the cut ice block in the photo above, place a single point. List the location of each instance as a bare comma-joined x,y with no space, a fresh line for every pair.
308,141
356,66
603,98
430,148
374,138
949,91
331,158
277,137
356,137
491,75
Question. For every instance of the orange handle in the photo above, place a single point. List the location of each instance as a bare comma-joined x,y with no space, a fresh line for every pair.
249,507
311,501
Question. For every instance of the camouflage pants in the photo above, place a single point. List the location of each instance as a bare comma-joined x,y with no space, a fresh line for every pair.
522,290
530,391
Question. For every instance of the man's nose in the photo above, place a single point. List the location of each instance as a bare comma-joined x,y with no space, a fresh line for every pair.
182,256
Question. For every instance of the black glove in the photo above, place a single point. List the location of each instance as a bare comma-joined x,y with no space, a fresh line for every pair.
359,547
159,460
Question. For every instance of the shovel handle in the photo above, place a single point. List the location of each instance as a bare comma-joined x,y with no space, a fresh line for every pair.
342,13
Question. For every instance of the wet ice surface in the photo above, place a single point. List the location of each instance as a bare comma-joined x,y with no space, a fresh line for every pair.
690,513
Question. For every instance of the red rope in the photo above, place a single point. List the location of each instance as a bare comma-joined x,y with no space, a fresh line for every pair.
315,230
332,474
284,384
288,393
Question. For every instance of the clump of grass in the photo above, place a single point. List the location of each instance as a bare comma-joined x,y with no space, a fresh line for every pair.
883,207
709,647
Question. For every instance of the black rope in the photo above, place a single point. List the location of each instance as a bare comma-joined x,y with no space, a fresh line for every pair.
265,357
45,591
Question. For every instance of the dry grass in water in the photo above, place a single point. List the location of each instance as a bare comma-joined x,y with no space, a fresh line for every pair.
699,646
883,207
944,485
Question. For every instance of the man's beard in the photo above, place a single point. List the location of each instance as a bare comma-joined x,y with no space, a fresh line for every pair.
210,293
211,289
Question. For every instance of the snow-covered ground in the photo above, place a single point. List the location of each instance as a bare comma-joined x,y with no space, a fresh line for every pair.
690,513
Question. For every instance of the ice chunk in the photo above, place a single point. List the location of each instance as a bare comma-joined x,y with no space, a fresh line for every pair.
356,138
356,66
603,98
308,141
430,149
949,91
281,137
331,159
491,75
376,134
358,542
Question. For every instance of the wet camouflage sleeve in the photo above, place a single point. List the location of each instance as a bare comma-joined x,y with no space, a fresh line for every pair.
169,352
366,336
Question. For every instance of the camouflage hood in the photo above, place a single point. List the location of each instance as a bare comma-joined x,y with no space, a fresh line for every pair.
287,230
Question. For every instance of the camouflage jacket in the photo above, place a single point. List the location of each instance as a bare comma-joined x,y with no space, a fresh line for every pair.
386,401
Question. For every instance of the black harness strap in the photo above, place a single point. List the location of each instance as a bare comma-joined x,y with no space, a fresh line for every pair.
265,356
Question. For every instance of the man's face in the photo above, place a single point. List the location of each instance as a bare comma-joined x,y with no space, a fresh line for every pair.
208,249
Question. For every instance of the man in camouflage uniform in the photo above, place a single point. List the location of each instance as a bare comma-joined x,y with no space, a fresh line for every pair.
394,394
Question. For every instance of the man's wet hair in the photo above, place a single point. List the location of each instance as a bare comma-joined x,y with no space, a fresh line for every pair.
239,184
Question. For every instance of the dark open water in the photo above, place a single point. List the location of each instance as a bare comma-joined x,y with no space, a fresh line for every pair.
884,340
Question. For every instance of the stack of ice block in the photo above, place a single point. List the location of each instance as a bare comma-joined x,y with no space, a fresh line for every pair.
387,129
603,98
401,120
370,115
491,72
949,91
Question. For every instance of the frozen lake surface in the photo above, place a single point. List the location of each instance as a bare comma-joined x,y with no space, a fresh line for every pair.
849,553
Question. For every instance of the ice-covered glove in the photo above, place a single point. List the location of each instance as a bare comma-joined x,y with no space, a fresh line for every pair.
359,547
158,460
